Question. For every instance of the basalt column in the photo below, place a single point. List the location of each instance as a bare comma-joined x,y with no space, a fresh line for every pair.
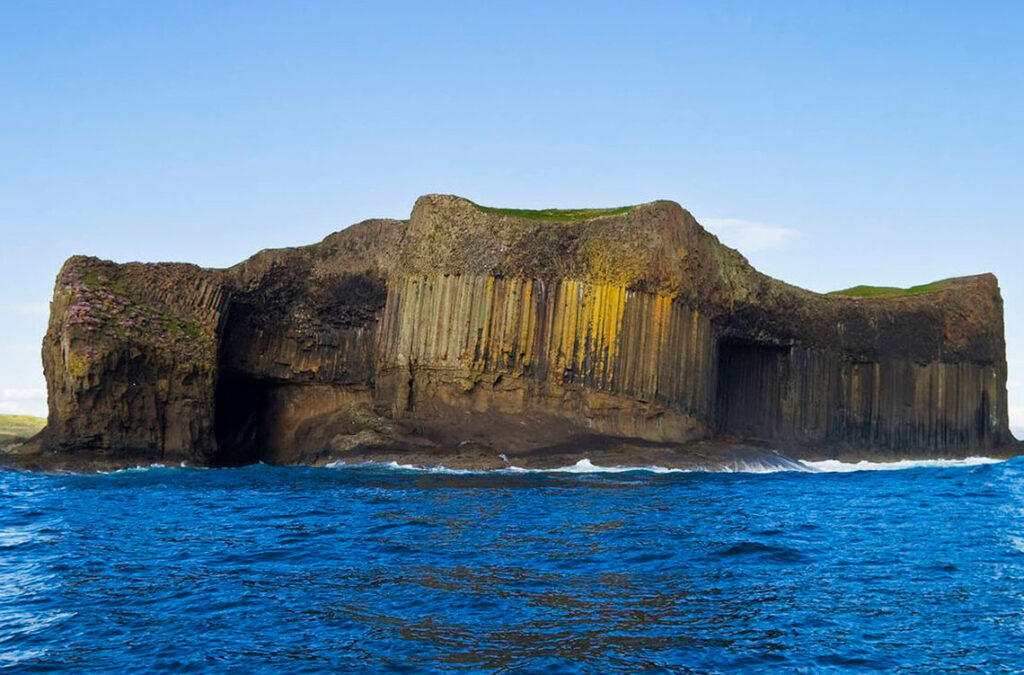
625,362
815,397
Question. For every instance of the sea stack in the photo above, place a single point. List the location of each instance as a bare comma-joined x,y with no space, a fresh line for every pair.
476,336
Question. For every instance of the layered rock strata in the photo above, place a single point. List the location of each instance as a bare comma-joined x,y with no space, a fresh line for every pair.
467,334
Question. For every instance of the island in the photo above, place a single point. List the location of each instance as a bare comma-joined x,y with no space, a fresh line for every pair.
478,337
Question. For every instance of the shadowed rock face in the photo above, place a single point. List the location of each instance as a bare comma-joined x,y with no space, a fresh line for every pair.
467,333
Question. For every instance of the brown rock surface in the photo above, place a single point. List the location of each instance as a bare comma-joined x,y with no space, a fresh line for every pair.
130,359
630,335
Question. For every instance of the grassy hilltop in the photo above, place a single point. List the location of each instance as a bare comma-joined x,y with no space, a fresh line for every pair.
885,291
16,429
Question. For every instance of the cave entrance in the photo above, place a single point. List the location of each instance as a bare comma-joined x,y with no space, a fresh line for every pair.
242,404
752,382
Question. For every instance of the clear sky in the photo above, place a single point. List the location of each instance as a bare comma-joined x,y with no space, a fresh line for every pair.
833,143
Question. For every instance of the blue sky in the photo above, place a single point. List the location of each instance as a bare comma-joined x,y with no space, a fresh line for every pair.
833,143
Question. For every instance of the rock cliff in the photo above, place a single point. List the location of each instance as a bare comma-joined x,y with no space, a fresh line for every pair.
468,333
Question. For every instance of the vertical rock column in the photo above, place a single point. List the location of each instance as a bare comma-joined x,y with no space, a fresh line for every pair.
814,396
555,341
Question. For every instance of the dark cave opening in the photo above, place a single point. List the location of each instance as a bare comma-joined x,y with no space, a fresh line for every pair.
752,382
242,404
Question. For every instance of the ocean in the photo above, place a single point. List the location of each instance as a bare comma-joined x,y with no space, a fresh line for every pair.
390,570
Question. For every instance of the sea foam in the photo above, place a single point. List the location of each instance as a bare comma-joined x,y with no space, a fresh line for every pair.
776,464
835,466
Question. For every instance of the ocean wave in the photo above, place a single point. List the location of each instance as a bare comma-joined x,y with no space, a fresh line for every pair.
136,469
586,466
835,466
582,466
775,464
340,464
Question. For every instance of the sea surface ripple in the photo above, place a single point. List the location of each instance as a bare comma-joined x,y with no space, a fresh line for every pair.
376,570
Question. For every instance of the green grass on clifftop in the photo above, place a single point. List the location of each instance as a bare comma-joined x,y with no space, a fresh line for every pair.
18,428
558,215
885,291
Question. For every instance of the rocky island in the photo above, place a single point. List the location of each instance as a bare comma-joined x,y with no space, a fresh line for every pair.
475,337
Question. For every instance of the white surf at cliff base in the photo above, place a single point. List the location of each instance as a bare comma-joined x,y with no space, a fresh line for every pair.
585,466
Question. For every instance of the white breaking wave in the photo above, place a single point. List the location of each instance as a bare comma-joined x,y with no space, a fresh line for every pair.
775,465
582,466
586,466
835,466
339,464
133,469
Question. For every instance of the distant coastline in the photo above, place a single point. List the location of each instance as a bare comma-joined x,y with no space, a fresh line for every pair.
16,429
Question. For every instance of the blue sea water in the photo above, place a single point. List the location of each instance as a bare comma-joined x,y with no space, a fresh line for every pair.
376,570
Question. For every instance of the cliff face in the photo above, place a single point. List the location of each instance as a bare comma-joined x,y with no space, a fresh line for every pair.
300,341
467,333
130,359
